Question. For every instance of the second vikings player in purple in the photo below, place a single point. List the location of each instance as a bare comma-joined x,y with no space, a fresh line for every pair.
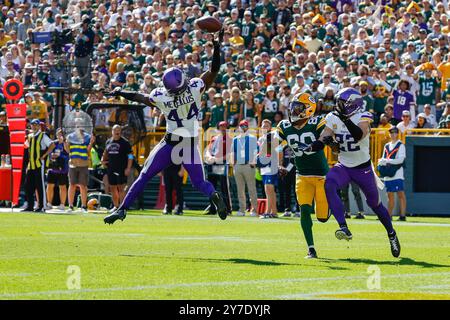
179,100
349,125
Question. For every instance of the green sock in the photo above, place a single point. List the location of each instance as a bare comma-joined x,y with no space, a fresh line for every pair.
306,223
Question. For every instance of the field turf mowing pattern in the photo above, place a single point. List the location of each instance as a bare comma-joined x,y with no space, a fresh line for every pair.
150,256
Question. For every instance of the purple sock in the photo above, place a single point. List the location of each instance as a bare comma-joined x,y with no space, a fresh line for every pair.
159,159
334,202
384,217
197,176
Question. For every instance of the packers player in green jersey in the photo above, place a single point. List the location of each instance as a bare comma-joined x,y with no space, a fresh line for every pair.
303,128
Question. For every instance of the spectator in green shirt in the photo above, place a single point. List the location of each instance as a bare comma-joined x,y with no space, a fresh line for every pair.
217,111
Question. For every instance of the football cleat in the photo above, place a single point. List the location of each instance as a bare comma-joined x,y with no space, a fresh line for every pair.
287,213
395,245
221,209
178,211
166,210
312,254
360,215
348,215
118,214
401,218
343,233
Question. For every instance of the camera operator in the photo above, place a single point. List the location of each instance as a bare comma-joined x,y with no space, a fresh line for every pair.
83,48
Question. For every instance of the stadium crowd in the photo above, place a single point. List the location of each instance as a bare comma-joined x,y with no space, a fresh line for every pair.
394,52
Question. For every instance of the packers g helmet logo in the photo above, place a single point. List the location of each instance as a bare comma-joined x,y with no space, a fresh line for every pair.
302,106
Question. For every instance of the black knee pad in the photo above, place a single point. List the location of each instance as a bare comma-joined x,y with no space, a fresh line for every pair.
323,220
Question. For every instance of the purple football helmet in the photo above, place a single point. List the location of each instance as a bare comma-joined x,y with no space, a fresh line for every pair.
175,81
349,101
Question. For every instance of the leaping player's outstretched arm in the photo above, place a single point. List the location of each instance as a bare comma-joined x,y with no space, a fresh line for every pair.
133,96
209,76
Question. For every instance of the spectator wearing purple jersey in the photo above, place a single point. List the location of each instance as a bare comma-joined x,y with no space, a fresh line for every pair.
58,172
403,100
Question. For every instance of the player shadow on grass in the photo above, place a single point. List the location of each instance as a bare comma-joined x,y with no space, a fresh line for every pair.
258,262
401,261
246,261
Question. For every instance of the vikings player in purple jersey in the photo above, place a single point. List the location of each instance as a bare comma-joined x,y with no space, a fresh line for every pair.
348,130
179,100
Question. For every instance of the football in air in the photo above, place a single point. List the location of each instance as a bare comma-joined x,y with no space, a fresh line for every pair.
209,24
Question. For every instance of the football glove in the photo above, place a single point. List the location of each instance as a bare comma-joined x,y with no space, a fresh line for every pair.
282,171
329,141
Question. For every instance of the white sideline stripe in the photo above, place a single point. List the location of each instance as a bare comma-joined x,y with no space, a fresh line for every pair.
436,286
212,284
233,218
316,295
215,238
17,274
93,234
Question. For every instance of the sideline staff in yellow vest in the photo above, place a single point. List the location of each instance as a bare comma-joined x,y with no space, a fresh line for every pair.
39,147
78,145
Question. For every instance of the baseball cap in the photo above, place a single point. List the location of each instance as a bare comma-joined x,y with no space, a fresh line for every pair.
362,83
243,123
421,115
223,123
270,88
35,121
393,129
391,65
406,113
217,95
260,39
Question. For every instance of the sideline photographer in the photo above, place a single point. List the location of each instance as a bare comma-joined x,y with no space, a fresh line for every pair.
83,48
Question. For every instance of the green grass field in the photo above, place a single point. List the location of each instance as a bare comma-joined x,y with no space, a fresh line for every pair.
149,256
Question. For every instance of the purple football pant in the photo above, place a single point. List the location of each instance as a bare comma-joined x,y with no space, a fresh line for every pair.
160,158
340,176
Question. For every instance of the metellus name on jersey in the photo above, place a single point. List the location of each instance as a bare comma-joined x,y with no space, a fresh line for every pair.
179,102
